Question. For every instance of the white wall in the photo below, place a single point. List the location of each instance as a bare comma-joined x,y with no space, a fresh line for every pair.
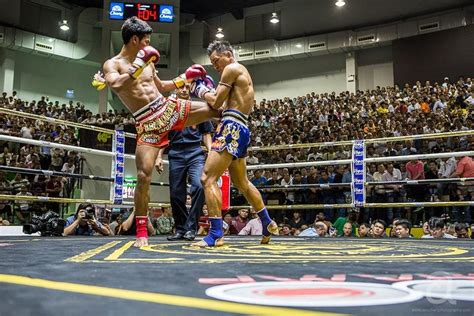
37,75
375,67
299,77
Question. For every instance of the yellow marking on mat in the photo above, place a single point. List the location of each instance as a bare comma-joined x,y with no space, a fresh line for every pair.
117,253
158,298
93,252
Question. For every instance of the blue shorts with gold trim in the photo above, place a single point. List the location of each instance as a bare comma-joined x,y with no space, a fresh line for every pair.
232,134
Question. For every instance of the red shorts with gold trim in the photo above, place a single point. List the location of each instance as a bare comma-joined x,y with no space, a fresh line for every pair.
155,120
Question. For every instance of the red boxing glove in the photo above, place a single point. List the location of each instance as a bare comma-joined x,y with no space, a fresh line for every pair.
144,57
192,73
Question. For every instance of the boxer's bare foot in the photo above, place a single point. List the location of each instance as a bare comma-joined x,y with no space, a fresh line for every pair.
272,229
141,242
202,244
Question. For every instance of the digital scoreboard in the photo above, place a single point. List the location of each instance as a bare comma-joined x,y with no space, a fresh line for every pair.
143,11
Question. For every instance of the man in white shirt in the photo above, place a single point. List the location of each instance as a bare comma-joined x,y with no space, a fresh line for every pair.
392,191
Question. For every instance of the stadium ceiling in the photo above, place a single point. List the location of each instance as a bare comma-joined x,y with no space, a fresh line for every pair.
358,13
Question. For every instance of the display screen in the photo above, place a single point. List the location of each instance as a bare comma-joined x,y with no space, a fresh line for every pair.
145,12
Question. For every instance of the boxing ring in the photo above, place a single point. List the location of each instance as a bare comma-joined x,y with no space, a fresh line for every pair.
289,276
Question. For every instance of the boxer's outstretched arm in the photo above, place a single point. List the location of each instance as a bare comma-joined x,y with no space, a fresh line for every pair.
163,85
229,75
192,73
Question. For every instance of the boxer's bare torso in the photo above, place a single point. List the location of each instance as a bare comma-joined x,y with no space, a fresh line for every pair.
241,95
134,93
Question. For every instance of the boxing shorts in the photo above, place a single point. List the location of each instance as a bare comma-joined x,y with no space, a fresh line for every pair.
232,134
156,119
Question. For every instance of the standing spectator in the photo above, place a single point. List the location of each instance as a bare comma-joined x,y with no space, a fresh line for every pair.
392,191
54,187
186,160
416,171
23,207
69,182
464,169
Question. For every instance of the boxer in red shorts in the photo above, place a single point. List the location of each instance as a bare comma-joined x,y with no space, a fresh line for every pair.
132,76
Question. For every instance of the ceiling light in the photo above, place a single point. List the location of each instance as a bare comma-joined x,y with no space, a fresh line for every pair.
64,26
274,19
340,3
220,33
298,45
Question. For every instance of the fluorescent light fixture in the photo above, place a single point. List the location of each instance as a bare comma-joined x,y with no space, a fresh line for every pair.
298,45
274,19
64,26
220,33
340,3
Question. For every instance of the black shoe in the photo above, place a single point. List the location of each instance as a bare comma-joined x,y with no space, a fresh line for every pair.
177,236
189,236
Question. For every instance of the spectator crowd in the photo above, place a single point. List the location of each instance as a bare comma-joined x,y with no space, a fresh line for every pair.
314,118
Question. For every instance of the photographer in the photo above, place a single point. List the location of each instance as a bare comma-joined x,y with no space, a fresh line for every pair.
84,222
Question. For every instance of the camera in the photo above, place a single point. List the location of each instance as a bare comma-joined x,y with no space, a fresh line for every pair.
90,212
48,224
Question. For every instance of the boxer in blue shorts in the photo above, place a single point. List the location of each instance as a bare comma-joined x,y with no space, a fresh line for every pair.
235,96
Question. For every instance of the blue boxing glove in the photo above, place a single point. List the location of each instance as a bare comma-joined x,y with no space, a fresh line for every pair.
201,86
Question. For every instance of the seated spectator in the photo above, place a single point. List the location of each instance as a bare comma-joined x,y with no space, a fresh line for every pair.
238,222
364,230
285,230
165,223
437,227
4,222
461,230
296,221
319,229
129,227
227,219
341,221
116,221
320,217
347,230
84,222
378,230
402,228
253,226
